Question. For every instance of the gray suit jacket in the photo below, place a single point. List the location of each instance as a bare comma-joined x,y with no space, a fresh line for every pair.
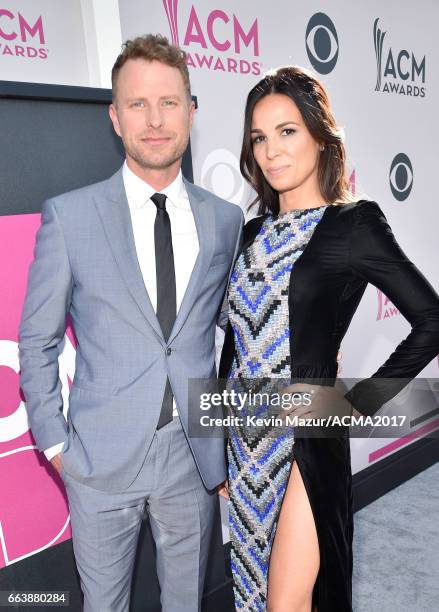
86,265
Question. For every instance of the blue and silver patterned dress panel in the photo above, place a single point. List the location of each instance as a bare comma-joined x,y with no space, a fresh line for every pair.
260,464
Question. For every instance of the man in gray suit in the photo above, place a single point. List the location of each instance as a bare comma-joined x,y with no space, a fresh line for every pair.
141,262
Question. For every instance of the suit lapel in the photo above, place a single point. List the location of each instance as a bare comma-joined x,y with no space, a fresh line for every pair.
204,217
115,216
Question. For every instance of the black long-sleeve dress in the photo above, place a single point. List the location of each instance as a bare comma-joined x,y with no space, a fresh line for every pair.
351,245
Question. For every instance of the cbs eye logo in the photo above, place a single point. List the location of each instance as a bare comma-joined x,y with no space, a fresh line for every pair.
322,43
401,177
220,174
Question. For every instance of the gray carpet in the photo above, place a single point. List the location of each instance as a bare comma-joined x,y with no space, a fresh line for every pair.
396,549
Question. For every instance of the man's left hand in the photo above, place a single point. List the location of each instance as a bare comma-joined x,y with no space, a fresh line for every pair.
223,489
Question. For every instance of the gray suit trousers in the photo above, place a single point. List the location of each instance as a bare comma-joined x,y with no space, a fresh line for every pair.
106,527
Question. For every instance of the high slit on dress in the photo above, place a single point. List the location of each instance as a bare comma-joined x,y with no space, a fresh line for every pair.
324,465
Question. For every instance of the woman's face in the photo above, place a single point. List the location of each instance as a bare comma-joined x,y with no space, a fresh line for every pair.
283,147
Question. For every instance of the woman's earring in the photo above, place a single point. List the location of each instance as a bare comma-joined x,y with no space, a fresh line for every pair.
322,147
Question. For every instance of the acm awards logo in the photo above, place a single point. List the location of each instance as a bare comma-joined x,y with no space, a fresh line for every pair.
398,71
203,36
322,43
401,177
16,32
385,307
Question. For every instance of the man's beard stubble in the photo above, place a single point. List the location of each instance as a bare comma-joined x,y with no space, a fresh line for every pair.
159,161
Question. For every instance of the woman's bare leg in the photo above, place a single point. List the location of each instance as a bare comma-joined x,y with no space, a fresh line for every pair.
295,556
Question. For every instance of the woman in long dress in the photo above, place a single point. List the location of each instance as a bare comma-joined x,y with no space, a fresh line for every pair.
297,281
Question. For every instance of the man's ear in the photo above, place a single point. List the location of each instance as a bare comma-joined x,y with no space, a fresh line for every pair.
191,113
114,119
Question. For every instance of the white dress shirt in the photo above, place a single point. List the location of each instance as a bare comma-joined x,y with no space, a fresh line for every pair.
184,240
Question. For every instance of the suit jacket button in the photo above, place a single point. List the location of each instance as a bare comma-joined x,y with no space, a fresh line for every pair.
168,351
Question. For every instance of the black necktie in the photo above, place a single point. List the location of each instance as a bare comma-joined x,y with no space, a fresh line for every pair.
166,290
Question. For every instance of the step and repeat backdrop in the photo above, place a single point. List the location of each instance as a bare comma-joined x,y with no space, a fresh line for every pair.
374,58
379,64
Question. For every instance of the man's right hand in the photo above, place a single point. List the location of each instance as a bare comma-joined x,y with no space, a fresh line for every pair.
57,462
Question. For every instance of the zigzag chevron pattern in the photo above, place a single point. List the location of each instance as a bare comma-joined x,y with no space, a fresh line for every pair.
260,460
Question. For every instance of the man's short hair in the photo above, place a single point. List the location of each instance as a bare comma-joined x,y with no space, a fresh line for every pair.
152,47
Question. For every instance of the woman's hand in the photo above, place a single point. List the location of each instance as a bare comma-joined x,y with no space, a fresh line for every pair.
319,402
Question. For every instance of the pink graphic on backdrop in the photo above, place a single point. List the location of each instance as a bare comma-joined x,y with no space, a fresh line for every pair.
205,35
18,32
385,307
33,506
171,13
395,445
195,33
8,27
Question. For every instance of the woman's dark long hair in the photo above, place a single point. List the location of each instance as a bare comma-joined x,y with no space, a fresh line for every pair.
312,100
